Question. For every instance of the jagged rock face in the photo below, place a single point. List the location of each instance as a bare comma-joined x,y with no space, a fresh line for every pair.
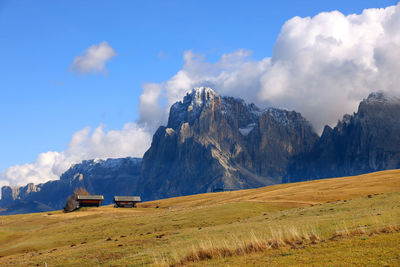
278,136
366,141
221,142
9,193
105,177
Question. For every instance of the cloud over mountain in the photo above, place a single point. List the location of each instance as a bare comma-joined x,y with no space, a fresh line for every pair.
84,144
321,66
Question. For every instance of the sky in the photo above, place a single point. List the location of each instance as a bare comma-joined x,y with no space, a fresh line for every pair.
85,79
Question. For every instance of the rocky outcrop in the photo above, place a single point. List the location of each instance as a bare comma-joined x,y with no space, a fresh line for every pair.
367,141
221,142
12,193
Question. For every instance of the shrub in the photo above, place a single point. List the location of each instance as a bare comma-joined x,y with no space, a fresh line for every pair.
71,204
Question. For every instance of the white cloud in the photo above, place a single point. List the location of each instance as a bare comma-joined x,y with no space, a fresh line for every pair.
132,140
151,113
321,66
93,59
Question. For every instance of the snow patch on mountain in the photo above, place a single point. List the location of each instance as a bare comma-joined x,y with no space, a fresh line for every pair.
381,97
246,130
89,165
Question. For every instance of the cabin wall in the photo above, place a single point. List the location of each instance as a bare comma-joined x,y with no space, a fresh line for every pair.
126,204
89,203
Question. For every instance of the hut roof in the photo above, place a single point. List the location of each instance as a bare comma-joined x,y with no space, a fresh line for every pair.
89,197
127,198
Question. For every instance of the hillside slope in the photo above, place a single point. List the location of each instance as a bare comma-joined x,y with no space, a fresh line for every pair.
297,194
165,230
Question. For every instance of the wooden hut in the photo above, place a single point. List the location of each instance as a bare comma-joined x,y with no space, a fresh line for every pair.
89,200
126,201
214,190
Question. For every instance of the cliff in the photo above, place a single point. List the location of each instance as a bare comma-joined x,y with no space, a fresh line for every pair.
221,142
367,141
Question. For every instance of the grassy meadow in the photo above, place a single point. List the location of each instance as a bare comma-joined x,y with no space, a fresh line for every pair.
350,221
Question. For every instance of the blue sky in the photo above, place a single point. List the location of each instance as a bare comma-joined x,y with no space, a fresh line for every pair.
43,103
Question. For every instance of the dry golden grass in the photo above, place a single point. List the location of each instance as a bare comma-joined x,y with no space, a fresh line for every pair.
291,238
245,220
365,250
295,194
211,249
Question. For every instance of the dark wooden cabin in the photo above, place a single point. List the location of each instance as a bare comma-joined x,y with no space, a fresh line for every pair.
126,201
215,190
89,200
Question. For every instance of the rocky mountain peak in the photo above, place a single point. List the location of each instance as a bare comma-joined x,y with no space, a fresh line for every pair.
378,106
376,97
9,193
198,97
380,97
192,105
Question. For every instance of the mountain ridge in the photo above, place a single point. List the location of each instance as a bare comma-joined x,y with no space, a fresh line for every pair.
213,141
366,141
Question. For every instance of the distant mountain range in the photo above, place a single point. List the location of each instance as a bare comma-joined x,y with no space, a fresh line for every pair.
106,177
214,142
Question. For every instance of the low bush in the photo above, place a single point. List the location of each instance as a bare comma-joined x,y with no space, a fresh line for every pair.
71,204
